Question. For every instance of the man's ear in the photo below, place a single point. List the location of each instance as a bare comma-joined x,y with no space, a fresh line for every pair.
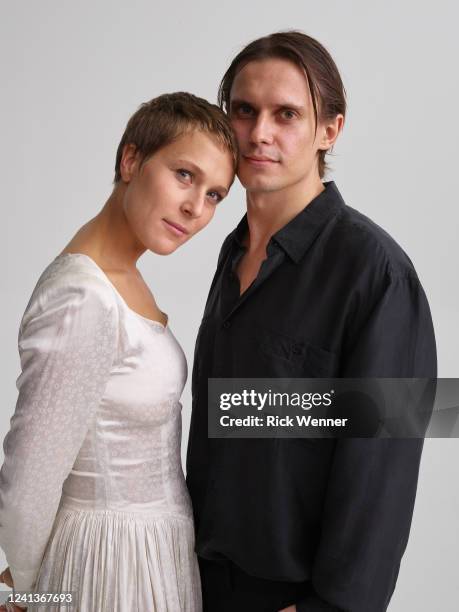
129,162
330,132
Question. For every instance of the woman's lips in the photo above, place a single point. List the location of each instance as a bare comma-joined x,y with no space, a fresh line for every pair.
175,228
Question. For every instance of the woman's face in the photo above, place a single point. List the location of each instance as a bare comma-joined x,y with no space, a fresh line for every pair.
174,193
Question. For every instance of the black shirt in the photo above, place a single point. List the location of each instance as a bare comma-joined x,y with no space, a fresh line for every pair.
336,297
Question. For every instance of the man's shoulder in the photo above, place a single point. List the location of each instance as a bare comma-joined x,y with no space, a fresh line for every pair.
362,239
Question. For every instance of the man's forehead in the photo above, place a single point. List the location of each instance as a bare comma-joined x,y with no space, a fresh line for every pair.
273,82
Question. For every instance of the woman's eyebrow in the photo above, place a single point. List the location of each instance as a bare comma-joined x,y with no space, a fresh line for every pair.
196,169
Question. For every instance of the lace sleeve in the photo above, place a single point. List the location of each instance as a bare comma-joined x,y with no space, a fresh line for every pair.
67,348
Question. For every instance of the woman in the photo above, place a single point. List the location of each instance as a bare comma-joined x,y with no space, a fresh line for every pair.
92,493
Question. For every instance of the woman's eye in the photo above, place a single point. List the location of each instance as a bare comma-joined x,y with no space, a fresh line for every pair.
184,174
215,196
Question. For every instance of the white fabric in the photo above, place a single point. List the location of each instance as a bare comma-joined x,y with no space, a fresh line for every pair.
92,493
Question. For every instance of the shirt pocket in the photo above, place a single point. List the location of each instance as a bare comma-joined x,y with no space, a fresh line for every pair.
297,357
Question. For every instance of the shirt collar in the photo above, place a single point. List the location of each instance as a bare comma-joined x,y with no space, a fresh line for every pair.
297,236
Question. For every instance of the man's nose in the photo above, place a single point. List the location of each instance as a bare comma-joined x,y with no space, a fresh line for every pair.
262,130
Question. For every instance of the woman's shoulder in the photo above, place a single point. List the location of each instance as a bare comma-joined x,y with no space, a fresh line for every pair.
71,277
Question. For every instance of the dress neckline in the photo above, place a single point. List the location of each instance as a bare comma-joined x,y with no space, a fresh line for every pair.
137,314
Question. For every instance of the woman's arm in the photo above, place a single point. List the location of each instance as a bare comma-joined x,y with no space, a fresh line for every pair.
67,349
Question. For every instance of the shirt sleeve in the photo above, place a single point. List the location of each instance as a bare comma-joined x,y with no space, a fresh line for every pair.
372,485
67,344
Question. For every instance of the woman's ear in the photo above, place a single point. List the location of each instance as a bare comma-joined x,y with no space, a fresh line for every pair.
129,162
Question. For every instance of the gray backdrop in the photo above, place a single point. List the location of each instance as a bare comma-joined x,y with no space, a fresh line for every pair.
73,72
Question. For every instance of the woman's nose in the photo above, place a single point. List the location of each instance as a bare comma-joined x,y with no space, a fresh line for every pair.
193,206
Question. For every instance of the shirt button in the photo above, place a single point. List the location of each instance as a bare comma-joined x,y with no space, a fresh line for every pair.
226,324
296,349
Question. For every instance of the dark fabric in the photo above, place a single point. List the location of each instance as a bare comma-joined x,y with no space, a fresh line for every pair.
226,588
336,297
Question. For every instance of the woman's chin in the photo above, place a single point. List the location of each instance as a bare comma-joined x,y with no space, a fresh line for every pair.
164,248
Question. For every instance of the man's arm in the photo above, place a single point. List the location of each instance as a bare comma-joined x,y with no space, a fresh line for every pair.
372,483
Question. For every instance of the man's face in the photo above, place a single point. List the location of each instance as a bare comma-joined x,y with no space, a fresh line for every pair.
272,114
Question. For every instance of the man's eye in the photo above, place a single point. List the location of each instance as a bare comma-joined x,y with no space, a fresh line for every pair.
288,114
244,110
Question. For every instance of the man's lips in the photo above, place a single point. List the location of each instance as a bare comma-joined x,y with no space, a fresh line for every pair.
259,160
178,229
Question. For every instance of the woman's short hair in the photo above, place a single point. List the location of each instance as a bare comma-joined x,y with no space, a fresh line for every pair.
162,120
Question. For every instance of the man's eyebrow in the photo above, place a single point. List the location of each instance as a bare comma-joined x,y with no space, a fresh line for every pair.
239,101
282,104
197,170
291,105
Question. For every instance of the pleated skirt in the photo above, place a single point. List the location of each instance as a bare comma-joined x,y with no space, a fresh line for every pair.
116,561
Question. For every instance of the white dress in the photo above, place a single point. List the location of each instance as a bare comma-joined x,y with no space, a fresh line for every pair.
92,493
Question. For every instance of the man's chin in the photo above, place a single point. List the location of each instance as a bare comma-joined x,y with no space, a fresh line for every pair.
255,184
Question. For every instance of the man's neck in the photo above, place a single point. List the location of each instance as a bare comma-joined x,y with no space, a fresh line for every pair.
269,211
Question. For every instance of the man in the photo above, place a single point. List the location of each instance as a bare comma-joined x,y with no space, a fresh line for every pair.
305,286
